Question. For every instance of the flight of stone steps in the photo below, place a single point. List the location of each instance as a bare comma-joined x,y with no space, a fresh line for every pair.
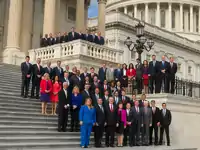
22,127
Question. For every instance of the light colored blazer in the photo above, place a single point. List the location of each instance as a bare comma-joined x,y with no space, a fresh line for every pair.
147,116
109,74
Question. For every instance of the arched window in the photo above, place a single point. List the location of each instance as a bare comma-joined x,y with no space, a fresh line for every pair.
142,15
173,19
162,18
152,17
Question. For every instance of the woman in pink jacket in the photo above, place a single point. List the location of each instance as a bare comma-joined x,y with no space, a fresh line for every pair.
121,123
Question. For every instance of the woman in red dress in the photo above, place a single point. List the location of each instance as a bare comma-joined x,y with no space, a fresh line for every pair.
54,96
45,90
145,76
131,72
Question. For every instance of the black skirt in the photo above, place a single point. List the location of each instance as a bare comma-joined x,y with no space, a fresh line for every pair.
120,128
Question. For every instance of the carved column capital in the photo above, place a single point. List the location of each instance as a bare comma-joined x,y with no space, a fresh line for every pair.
102,1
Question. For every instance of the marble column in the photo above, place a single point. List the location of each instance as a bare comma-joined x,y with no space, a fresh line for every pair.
181,18
158,15
102,16
169,16
14,24
80,15
49,17
146,12
27,26
125,10
191,18
199,21
86,16
186,18
135,11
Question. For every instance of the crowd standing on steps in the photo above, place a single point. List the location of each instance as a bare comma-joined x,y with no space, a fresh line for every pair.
98,101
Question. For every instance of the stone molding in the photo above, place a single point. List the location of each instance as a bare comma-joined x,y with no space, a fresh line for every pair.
102,1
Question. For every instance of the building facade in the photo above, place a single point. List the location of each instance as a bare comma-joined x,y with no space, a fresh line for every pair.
116,20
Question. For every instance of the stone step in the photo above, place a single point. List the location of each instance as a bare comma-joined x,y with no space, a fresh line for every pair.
11,90
27,128
28,102
6,95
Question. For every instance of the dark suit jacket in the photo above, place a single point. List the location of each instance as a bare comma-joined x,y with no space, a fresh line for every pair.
118,74
63,100
165,66
64,38
139,71
108,88
71,37
44,42
94,39
155,116
153,70
119,100
51,41
58,40
100,40
136,117
94,99
85,96
100,115
82,75
105,101
74,81
58,73
88,37
36,71
172,70
165,120
49,71
93,87
91,77
80,36
111,117
125,101
141,103
102,74
25,70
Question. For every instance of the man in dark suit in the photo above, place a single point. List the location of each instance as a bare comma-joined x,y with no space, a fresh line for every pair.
118,73
95,84
75,80
165,121
141,101
163,75
63,108
155,123
58,71
64,37
26,70
111,118
172,74
100,122
72,35
87,36
105,97
100,39
86,93
153,74
102,73
125,99
84,75
80,36
105,86
37,72
51,40
58,38
127,130
136,124
94,38
95,96
44,41
67,70
139,73
49,70
92,74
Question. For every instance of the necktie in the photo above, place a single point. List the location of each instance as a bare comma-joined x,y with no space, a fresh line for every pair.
154,63
164,112
111,107
171,65
137,110
66,93
101,108
27,64
127,112
154,110
38,67
123,99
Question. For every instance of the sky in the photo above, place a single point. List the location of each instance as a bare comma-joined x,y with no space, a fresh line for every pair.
93,9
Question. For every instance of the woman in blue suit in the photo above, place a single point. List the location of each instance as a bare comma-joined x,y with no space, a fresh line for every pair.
87,117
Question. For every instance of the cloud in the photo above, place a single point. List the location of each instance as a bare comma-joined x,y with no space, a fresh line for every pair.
93,9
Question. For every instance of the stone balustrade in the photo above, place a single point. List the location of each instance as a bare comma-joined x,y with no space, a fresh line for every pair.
77,48
118,17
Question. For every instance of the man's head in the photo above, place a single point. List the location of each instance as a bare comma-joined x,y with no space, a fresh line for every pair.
146,103
72,29
106,92
111,100
78,72
92,69
65,85
104,65
100,101
163,58
85,69
153,103
164,105
87,31
97,90
58,63
143,97
171,59
38,61
134,96
99,33
119,65
138,60
50,35
87,86
27,58
49,64
128,106
95,79
153,57
136,103
66,74
105,82
46,35
67,67
123,93
116,94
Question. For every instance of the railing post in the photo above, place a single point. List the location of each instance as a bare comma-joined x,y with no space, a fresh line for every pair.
57,51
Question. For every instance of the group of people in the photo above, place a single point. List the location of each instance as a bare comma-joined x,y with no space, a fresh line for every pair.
51,39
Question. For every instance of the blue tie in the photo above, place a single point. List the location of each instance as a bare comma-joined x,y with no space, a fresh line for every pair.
163,63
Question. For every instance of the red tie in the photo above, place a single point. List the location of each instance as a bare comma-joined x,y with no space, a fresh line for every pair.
111,108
